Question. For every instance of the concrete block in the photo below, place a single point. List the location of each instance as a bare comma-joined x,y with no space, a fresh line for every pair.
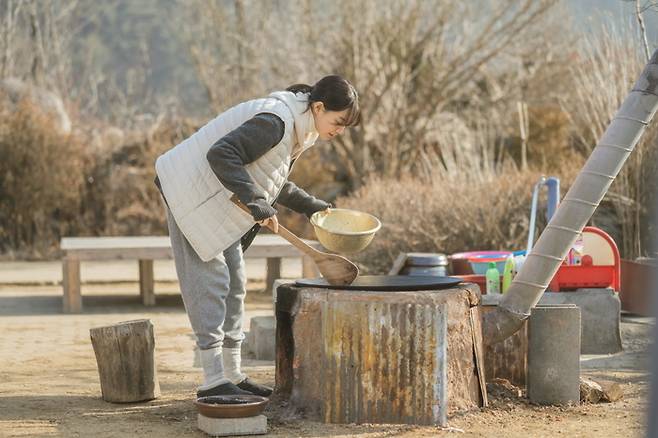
263,329
275,285
233,426
600,317
554,355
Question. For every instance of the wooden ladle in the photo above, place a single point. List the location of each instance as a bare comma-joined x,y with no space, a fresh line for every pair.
337,270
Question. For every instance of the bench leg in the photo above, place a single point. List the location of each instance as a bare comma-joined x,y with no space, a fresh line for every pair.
72,300
273,273
309,269
146,289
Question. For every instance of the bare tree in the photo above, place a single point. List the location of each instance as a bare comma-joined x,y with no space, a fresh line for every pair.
434,78
38,46
413,61
242,49
608,64
11,12
35,38
640,8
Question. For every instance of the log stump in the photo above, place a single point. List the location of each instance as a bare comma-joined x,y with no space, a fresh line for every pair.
126,362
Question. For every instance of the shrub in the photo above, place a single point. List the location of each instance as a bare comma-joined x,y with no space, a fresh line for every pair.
121,197
41,173
549,142
446,216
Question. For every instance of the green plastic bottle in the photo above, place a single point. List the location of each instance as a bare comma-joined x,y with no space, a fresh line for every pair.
493,279
508,273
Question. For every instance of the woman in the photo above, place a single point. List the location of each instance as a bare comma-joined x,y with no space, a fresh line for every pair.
248,150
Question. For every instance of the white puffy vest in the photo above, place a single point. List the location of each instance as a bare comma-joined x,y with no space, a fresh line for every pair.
199,203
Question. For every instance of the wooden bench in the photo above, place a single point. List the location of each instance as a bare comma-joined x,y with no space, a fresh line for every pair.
146,249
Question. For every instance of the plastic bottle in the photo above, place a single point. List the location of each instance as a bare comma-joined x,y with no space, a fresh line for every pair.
576,251
493,279
508,273
519,260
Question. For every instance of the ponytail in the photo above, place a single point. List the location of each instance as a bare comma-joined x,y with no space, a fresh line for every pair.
300,88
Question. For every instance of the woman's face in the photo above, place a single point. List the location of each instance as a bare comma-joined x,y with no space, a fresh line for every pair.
329,124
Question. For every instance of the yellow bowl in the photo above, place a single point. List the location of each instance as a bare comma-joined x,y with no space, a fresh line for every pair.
345,231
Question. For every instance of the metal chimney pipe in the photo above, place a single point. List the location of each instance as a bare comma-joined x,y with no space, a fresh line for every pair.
577,207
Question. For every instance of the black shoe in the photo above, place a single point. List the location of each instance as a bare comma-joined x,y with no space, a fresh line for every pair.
254,388
223,389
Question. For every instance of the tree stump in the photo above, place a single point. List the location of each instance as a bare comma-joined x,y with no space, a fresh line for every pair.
126,361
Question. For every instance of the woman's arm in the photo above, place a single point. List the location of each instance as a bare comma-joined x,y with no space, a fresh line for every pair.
297,199
245,144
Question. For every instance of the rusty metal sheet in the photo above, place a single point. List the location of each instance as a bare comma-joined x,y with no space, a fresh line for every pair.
377,357
386,363
478,350
507,359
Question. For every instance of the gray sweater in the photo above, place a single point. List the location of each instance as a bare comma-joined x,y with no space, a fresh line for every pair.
245,144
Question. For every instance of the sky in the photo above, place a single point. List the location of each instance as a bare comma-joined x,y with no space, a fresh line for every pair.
591,13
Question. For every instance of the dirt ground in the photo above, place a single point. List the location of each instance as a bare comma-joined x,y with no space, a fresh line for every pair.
49,380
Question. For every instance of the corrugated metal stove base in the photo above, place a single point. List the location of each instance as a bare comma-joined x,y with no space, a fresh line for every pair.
379,357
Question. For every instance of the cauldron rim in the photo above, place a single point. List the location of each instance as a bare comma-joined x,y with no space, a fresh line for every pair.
386,283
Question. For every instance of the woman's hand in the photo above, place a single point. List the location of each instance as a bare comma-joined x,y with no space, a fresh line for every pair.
271,221
324,212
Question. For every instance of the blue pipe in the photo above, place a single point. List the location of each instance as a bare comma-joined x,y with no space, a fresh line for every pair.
553,185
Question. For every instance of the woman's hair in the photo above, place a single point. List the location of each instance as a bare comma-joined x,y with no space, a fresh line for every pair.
336,93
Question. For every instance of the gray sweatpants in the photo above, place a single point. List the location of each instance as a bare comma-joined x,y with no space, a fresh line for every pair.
213,292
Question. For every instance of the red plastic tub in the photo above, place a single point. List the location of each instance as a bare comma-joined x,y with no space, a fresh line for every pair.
460,265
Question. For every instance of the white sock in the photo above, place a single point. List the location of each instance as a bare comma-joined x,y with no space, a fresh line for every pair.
232,358
213,369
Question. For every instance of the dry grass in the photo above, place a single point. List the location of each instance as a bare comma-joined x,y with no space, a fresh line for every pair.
40,181
53,185
446,216
603,76
439,87
121,195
